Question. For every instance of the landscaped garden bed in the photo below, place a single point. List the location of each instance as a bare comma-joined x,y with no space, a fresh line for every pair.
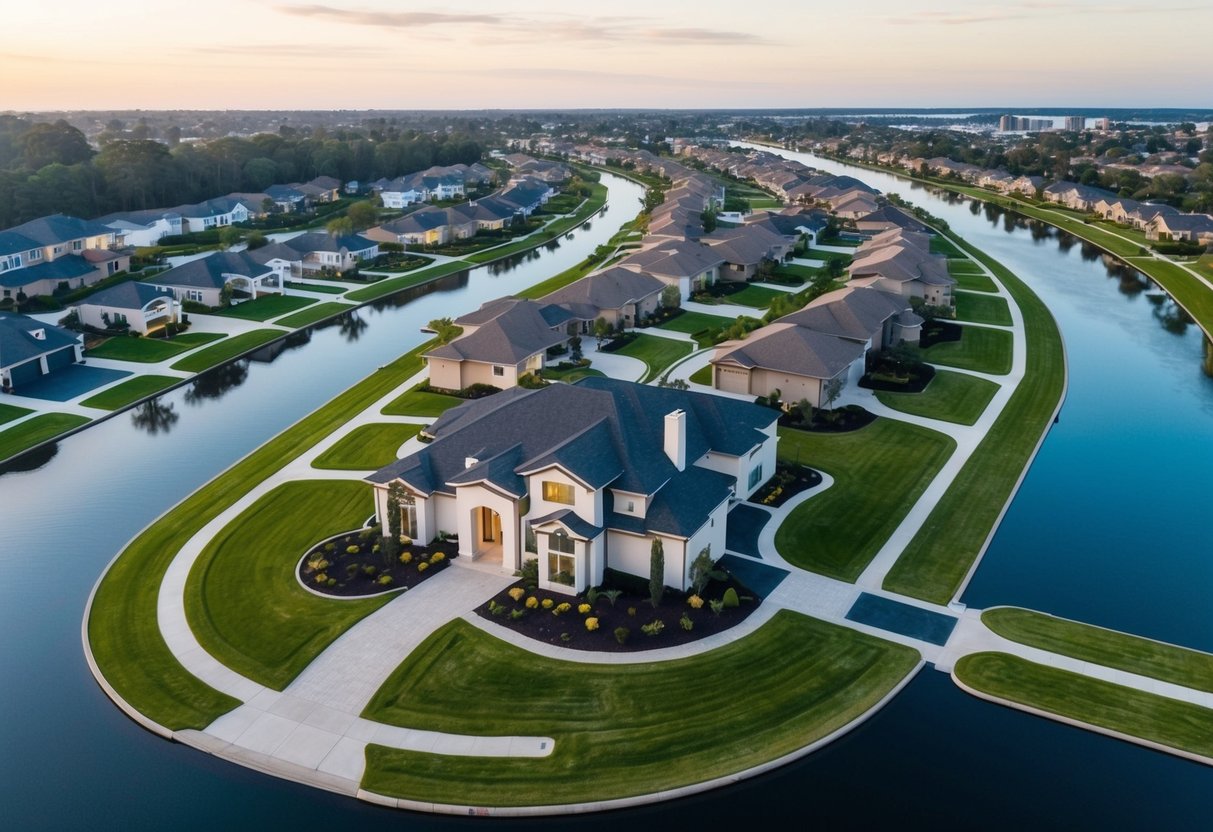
937,332
353,565
618,617
788,481
835,420
898,371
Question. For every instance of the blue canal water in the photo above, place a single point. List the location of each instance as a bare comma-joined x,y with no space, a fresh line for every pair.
935,757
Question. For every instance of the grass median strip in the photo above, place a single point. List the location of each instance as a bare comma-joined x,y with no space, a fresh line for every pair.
396,284
36,430
1167,662
623,729
656,352
367,448
242,600
131,390
1125,710
227,350
934,564
266,307
8,412
417,402
952,397
122,625
315,313
840,530
151,350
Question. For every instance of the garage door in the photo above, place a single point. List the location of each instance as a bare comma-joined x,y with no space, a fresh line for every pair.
61,358
25,373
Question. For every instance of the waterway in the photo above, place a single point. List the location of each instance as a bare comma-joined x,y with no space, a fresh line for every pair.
934,757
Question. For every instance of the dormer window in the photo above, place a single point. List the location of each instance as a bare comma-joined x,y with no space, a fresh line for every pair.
558,492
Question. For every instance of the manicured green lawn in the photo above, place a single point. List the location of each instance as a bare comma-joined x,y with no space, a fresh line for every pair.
963,265
940,555
1115,707
1157,660
38,429
982,309
656,352
975,283
264,308
759,297
803,273
979,349
953,397
122,627
242,599
316,287
151,350
367,448
1190,291
8,412
702,376
571,374
550,232
623,729
230,348
129,391
416,402
942,245
879,472
315,313
692,322
395,284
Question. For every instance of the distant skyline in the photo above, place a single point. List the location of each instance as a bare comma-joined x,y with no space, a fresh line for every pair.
388,54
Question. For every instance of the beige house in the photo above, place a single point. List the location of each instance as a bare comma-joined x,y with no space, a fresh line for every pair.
139,306
584,477
901,262
50,253
796,361
501,341
617,295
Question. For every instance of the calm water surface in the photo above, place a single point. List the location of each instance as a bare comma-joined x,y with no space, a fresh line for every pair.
934,757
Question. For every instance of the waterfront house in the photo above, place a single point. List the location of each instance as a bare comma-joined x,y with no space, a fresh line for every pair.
202,280
30,349
141,307
619,296
316,251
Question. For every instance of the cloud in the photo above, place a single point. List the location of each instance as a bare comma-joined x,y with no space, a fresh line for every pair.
504,28
1041,9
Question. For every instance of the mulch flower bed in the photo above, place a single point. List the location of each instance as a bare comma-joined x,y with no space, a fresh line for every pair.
565,620
354,566
839,420
787,482
936,332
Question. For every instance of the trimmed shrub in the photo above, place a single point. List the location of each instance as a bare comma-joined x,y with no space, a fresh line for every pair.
621,634
730,599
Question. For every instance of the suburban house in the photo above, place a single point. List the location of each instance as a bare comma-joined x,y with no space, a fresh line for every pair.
142,307
687,264
202,280
1141,215
427,226
853,204
1196,228
745,248
220,212
1073,195
584,477
30,349
900,261
288,199
316,251
143,228
826,342
619,296
526,195
502,340
887,218
58,252
489,213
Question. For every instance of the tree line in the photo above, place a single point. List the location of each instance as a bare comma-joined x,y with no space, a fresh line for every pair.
50,167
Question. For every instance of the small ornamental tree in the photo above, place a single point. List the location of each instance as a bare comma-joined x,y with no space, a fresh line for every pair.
229,236
391,541
601,330
830,391
575,352
656,572
703,570
671,297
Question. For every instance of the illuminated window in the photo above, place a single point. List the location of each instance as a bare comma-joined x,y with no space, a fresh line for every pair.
558,492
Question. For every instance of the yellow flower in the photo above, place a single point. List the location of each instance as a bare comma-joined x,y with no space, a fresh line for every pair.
591,624
436,557
547,603
695,601
406,557
421,567
517,592
532,602
583,608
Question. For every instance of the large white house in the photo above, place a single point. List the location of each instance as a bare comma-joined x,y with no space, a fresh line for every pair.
584,477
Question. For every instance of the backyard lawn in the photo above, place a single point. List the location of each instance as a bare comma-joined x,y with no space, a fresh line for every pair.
131,390
969,276
840,530
623,729
228,349
759,297
395,284
242,599
415,402
315,313
150,350
692,322
570,374
802,273
326,288
38,429
1134,654
952,397
266,307
367,448
982,309
979,349
656,352
1096,702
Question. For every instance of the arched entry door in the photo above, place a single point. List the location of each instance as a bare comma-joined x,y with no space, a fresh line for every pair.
486,528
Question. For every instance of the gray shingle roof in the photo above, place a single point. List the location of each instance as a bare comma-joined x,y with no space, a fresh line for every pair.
128,295
512,330
854,312
67,267
211,272
792,349
47,231
611,288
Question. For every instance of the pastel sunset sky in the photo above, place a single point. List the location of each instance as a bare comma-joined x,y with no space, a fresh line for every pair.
407,54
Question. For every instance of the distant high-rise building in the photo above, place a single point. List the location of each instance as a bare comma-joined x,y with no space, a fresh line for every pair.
1022,124
1076,123
1005,124
1104,123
